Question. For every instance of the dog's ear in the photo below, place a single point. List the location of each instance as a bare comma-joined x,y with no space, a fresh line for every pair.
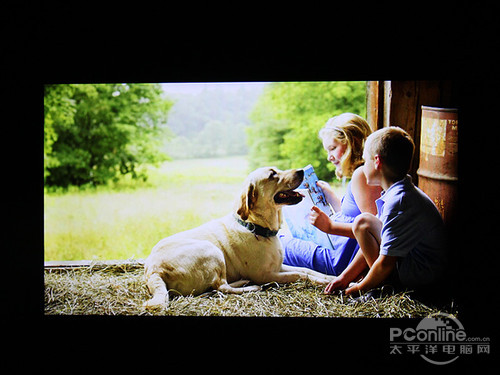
248,200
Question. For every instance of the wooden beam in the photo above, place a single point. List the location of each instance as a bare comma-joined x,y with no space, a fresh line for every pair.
71,264
386,104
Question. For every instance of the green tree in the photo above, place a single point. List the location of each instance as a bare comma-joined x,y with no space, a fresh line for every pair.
95,132
288,116
59,113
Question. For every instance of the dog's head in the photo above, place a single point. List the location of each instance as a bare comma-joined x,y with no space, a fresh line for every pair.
267,189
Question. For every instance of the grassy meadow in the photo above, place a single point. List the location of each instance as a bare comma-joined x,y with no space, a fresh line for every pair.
127,219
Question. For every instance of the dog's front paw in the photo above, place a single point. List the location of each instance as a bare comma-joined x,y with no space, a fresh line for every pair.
156,302
253,288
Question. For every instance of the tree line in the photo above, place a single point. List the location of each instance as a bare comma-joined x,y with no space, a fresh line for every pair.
94,133
288,117
211,123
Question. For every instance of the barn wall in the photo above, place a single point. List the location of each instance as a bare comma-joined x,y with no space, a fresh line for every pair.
399,103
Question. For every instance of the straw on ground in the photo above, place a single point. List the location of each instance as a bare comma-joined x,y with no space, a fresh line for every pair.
121,290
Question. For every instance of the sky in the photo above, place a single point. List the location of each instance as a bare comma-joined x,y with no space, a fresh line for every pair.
196,88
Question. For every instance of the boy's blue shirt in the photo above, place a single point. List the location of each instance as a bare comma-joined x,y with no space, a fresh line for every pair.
412,230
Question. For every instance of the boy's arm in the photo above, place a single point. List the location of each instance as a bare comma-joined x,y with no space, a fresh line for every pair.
352,271
381,269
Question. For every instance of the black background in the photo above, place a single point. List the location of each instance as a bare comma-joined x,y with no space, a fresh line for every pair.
67,43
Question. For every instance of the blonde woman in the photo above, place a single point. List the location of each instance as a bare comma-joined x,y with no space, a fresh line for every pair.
343,138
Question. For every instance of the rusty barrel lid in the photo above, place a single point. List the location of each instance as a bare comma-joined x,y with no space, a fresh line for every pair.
438,109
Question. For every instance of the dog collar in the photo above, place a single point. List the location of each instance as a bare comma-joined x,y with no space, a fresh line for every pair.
257,229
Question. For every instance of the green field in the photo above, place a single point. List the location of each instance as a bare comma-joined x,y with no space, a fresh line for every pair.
126,220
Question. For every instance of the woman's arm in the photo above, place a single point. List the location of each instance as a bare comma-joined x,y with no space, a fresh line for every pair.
321,221
365,195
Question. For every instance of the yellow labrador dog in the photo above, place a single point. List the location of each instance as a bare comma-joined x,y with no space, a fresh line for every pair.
226,253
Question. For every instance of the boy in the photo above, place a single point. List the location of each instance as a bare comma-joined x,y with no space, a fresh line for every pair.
406,238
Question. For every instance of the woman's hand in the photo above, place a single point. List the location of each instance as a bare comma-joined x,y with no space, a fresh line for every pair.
325,186
330,195
320,220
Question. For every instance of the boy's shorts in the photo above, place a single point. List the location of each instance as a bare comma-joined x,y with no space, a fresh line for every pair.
393,280
413,274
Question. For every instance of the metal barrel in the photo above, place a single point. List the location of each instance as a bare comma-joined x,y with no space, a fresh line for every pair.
438,169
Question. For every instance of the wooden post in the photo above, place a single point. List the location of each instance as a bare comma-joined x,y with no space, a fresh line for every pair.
401,110
374,104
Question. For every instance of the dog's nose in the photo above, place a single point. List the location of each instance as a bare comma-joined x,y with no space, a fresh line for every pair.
300,173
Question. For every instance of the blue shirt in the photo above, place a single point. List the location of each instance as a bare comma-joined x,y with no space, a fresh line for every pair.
412,230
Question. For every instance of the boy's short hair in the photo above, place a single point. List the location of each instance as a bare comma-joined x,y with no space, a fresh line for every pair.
395,148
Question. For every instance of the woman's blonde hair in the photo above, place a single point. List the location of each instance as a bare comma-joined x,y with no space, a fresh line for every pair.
351,130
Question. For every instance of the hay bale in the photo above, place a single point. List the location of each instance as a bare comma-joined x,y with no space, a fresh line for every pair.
121,290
